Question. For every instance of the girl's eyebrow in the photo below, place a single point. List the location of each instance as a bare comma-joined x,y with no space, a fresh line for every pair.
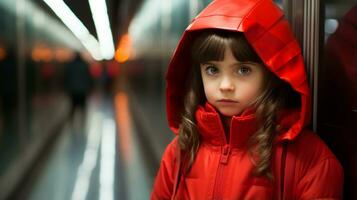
209,62
249,62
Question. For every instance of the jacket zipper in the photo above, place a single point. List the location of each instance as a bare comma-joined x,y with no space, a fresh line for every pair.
218,186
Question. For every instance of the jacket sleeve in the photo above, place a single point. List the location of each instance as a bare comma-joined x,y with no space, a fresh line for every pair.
164,181
323,181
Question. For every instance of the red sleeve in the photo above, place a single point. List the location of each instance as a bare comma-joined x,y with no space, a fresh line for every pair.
323,181
164,181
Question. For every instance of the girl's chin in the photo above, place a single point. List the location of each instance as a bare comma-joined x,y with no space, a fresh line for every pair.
225,113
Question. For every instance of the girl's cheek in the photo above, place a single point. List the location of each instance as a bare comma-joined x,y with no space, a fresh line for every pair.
251,92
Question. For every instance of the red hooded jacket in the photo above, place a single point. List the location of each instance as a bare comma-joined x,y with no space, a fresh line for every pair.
303,167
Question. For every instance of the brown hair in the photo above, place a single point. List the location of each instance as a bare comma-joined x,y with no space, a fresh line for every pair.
210,45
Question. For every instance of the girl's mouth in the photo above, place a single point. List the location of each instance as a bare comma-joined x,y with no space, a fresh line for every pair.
227,101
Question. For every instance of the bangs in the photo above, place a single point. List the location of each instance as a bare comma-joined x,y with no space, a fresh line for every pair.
210,46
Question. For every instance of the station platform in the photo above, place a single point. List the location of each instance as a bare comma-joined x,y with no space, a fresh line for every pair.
110,150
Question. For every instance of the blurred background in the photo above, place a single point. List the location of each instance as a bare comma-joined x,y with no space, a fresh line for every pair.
82,91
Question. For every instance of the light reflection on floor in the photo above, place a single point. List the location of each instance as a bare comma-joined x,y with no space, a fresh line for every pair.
95,157
138,185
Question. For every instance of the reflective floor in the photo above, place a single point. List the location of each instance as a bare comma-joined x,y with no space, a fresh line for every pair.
99,154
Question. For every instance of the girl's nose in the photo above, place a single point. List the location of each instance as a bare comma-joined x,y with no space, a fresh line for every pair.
226,84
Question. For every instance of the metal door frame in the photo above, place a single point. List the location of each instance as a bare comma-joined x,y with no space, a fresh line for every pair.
306,18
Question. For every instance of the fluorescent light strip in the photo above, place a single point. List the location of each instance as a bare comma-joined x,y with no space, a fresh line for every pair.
107,164
101,22
76,26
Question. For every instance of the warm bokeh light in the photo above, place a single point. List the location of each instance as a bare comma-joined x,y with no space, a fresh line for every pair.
124,50
47,55
42,53
63,55
36,54
2,53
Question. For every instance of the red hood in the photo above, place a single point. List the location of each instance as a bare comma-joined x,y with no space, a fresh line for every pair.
265,28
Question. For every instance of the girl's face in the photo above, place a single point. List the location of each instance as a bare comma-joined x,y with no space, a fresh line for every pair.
232,86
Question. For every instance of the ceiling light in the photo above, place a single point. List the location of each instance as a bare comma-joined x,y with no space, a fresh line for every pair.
76,26
101,22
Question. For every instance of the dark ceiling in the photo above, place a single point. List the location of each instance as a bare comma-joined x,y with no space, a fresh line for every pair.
120,14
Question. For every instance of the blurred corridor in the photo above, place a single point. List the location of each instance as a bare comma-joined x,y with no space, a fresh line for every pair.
98,154
82,91
88,162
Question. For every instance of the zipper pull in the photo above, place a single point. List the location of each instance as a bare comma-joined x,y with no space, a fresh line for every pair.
225,154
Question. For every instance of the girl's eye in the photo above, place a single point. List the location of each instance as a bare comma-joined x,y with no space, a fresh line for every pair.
244,70
211,70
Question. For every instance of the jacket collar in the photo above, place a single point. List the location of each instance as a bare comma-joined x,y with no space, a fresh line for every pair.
242,127
211,128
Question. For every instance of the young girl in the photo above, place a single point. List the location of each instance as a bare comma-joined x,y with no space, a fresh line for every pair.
238,100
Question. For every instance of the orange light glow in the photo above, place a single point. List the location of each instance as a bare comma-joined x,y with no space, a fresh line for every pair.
124,50
124,124
36,54
2,53
47,55
41,53
63,55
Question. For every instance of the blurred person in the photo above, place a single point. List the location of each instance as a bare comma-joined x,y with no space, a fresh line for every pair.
109,75
8,89
78,83
239,102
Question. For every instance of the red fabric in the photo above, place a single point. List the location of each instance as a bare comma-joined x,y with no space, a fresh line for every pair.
316,174
223,166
